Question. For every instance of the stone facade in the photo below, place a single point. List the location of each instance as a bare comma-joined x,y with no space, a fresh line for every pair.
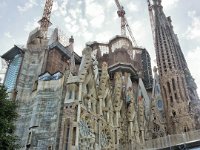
103,104
105,99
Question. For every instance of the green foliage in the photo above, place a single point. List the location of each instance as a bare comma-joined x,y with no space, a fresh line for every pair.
7,117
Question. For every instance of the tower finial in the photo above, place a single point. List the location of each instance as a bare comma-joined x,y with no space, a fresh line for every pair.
159,2
72,60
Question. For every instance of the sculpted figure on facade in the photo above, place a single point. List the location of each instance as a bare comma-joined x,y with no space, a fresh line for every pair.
87,130
96,71
106,137
118,91
86,75
132,119
141,117
104,80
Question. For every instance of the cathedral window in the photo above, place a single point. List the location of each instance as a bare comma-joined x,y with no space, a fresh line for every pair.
50,147
74,136
184,85
35,85
67,134
165,92
175,94
174,113
70,95
173,84
186,129
29,140
171,100
115,136
168,85
87,87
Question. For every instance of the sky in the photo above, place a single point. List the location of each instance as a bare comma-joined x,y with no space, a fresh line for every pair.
97,20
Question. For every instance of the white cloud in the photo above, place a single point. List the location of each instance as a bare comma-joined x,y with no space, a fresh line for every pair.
31,25
139,31
110,3
3,4
68,19
55,6
94,10
104,36
72,28
193,64
29,4
83,22
8,35
75,13
60,9
170,3
97,22
95,14
193,31
132,7
87,36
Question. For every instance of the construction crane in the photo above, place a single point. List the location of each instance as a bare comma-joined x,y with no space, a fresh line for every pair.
45,21
152,21
124,23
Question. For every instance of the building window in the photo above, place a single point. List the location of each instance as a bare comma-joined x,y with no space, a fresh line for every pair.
168,85
12,73
35,85
74,136
67,133
50,147
28,144
174,113
171,100
173,84
115,136
70,94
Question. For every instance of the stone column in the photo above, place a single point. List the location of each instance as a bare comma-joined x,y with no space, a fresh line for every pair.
99,131
80,93
108,116
73,92
131,129
78,115
117,118
117,125
100,106
77,128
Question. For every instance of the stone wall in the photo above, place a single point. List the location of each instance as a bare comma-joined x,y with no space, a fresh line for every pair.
56,61
39,116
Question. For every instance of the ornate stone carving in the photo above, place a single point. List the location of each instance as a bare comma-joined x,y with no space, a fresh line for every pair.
118,91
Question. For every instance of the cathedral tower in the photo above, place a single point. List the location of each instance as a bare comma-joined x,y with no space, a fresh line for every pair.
177,85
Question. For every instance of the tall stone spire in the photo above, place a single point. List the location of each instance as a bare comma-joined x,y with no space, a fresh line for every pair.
72,62
173,72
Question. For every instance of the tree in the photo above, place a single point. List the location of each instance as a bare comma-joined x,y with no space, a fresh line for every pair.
8,115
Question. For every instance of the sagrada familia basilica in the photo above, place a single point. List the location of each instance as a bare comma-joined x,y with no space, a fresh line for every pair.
106,99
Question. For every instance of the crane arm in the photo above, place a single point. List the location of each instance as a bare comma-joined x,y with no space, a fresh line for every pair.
124,22
152,21
45,21
118,5
131,33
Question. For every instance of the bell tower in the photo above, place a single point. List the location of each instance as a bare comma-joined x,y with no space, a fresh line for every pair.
172,70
